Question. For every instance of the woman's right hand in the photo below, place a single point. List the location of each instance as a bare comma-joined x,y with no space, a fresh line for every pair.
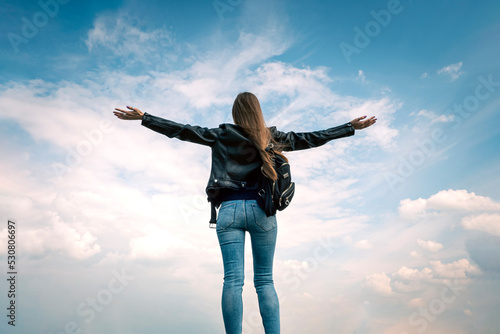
358,124
131,114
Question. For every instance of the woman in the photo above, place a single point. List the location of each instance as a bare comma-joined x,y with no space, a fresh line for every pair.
239,160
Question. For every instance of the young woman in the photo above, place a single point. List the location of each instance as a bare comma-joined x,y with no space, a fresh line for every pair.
239,161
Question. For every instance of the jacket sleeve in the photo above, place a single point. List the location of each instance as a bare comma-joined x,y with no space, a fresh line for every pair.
191,133
303,140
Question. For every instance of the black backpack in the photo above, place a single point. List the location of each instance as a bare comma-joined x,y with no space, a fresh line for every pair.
277,194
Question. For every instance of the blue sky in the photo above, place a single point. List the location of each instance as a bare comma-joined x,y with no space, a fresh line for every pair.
394,230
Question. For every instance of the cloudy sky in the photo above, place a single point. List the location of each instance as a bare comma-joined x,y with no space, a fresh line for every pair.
395,230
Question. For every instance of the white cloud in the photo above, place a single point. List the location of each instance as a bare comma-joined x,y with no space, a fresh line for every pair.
433,117
460,200
216,80
457,269
406,288
446,200
53,102
295,265
58,237
412,209
417,302
485,222
158,244
379,282
363,244
415,254
431,246
361,76
453,71
413,274
124,36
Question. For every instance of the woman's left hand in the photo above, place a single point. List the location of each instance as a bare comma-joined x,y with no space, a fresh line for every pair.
131,114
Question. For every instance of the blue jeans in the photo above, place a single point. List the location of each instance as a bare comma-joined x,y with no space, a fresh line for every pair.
234,219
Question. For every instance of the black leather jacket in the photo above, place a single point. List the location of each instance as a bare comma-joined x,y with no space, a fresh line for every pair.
236,163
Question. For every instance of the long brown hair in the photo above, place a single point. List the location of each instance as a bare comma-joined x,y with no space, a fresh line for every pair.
248,114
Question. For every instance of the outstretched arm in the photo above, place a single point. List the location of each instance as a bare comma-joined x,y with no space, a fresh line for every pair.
192,133
304,140
131,114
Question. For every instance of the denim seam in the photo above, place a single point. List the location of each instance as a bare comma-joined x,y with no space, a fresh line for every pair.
254,206
233,215
245,213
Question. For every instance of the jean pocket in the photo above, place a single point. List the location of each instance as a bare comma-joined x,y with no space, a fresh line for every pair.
262,220
226,215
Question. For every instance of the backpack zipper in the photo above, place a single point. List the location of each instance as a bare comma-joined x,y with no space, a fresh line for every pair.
285,192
